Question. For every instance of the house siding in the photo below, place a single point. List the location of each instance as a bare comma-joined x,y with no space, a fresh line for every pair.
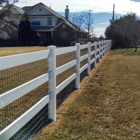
43,21
54,21
43,11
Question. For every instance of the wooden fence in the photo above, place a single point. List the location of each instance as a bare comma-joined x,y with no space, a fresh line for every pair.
95,52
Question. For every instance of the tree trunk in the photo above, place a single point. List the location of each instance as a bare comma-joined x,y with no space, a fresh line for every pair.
135,48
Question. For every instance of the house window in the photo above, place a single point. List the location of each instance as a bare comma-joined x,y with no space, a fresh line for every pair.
35,21
49,21
64,34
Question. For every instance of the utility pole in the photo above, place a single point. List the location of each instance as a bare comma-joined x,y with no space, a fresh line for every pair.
113,19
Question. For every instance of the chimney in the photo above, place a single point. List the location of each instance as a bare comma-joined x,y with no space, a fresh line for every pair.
67,13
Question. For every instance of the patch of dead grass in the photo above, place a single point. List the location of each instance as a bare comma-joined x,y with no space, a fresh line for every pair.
106,106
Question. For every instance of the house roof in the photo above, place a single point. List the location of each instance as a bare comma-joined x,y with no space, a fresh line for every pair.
59,21
27,9
16,27
42,15
20,10
12,25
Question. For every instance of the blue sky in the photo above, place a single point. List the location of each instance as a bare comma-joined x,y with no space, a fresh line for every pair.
102,9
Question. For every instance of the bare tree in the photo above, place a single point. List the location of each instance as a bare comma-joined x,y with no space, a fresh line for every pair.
88,23
78,20
84,21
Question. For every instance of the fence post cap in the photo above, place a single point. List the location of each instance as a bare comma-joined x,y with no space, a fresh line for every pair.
89,42
78,46
51,47
77,43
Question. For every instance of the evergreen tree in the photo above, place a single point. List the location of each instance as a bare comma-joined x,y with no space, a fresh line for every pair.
25,31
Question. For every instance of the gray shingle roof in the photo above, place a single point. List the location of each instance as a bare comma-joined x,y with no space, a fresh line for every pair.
59,21
15,26
27,9
20,10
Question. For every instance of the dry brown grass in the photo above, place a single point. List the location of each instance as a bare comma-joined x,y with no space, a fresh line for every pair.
107,108
4,51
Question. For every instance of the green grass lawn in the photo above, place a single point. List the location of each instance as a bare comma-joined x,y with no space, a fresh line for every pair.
108,108
129,50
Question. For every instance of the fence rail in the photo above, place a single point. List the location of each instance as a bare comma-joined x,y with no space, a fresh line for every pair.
94,52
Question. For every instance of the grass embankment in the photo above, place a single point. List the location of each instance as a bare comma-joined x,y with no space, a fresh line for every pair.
108,107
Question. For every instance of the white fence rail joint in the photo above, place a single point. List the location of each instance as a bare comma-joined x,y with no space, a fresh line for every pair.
100,49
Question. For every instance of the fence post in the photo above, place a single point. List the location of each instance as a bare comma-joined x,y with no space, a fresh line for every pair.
108,45
89,58
52,83
95,54
77,82
99,50
103,48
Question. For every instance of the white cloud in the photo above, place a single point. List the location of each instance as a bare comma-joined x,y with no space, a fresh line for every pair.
104,23
121,6
98,31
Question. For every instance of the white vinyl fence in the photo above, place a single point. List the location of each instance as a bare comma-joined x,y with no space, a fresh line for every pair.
100,49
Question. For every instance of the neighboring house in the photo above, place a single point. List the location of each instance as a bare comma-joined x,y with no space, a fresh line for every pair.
48,24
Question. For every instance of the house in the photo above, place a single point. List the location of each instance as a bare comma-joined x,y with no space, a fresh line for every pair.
49,25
